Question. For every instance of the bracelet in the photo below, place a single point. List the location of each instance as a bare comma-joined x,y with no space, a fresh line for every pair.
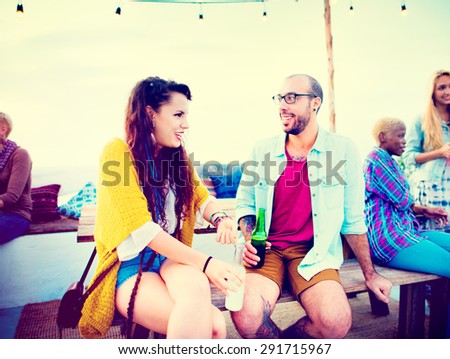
211,216
206,263
219,219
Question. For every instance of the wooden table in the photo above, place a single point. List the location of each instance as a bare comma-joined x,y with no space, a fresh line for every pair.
86,222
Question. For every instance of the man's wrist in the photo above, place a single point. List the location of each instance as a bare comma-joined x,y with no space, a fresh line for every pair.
370,274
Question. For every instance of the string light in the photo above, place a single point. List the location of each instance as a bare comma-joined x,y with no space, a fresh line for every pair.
118,9
404,11
19,10
351,10
201,18
264,15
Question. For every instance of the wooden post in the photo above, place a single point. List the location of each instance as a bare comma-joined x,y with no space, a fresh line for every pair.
329,40
439,309
411,316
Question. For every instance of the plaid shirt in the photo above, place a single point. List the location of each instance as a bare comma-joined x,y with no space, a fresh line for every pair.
390,220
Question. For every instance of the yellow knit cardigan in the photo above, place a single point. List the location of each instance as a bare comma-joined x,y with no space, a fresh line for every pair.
121,209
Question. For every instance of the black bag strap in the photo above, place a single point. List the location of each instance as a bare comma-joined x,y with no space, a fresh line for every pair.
88,265
97,280
105,272
80,301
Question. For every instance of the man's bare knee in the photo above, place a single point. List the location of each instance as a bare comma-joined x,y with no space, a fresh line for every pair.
328,310
246,322
253,320
334,325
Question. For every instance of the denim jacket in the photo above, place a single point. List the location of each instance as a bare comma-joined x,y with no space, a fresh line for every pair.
337,193
415,138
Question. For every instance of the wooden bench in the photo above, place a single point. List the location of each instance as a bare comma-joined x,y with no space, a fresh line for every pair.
64,224
411,321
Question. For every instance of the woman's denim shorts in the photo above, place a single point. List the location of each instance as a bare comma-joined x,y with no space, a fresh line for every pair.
131,267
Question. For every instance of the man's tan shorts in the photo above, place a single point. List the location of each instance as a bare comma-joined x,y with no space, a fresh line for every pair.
281,263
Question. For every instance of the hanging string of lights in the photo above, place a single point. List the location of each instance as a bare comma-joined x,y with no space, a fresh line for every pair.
403,11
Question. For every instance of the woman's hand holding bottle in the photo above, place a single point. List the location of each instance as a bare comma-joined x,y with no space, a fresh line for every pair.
225,276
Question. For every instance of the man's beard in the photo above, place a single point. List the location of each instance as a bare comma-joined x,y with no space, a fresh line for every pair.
298,126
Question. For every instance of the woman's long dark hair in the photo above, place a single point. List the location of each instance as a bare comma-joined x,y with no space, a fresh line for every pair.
170,166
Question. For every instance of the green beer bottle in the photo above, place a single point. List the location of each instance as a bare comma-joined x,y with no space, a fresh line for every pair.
259,237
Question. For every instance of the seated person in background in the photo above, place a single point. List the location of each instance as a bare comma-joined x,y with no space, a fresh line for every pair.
15,185
394,236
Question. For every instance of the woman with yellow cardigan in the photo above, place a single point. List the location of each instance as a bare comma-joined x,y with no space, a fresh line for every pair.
148,199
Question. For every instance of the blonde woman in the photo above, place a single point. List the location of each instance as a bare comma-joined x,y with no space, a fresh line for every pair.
428,148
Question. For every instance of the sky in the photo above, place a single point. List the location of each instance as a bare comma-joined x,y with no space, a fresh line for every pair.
67,68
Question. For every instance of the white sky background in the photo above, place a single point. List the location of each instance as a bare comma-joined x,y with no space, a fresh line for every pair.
67,68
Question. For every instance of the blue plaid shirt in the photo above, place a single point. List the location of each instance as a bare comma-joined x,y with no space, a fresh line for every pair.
391,224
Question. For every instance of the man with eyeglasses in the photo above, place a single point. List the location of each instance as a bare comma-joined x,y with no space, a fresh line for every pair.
311,184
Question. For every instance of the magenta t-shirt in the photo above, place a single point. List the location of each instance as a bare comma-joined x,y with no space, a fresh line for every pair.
292,211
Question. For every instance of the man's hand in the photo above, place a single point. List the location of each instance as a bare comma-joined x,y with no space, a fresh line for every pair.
380,286
250,257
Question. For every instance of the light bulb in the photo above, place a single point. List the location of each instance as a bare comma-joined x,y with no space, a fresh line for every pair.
118,10
351,10
264,16
19,11
404,11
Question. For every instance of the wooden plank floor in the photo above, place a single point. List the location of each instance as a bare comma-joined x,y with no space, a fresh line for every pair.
365,324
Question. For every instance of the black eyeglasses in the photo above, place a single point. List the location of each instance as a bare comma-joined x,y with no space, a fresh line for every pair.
290,97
